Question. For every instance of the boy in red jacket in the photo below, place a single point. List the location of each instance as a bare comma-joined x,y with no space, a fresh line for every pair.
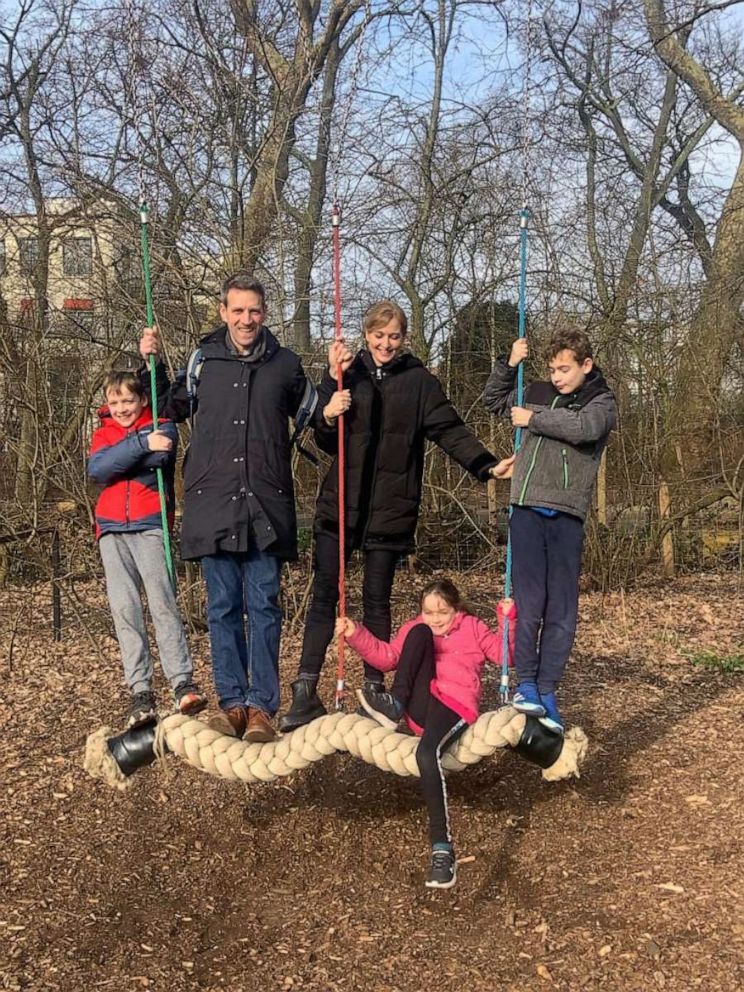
124,454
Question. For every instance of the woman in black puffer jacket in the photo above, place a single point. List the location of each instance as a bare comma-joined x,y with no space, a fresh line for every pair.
392,406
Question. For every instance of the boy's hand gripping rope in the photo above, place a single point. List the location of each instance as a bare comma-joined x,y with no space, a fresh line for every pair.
340,669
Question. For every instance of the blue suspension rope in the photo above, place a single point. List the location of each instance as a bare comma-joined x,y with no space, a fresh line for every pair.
524,216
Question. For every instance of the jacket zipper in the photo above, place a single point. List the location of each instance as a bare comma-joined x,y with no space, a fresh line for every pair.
527,478
380,379
564,455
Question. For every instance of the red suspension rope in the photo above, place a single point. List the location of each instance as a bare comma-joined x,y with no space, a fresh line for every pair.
340,670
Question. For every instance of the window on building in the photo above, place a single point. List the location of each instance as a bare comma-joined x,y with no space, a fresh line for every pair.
78,318
28,249
77,256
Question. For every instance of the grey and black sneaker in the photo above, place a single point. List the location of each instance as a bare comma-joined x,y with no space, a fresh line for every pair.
142,708
380,705
442,872
369,686
190,700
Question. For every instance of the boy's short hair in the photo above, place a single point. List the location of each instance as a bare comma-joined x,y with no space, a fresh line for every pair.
117,381
381,313
569,339
245,281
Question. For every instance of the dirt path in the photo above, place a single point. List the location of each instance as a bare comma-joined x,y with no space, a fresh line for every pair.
628,879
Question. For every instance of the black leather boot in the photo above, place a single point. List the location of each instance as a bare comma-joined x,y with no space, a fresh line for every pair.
306,705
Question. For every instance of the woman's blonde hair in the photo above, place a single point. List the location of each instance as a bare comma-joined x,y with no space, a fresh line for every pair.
381,313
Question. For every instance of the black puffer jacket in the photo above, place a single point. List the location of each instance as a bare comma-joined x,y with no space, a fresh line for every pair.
395,409
237,471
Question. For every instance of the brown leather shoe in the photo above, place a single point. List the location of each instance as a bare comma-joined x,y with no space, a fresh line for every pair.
231,722
259,727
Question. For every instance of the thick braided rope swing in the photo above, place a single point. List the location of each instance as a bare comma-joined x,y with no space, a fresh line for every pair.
226,757
114,758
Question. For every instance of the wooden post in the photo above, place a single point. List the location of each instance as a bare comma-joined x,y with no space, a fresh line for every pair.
667,542
492,503
56,601
602,490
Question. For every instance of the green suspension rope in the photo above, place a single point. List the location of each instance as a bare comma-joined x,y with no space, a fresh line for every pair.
137,69
144,212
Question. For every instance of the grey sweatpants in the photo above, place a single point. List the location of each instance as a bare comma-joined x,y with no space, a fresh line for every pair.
131,561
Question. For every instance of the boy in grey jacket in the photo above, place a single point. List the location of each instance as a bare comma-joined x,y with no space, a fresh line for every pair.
566,424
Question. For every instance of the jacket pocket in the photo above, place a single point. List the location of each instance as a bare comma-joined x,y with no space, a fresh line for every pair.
197,465
564,460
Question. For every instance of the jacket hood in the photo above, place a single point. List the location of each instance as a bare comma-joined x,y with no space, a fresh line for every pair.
400,363
594,384
215,345
106,420
544,392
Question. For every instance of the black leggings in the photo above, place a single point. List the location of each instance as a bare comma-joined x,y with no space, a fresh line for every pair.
379,572
442,726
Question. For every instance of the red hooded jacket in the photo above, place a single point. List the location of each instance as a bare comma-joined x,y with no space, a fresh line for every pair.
120,461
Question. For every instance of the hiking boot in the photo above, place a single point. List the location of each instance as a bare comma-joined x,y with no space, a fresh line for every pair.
552,720
527,700
190,700
306,705
142,708
259,729
442,872
230,722
380,705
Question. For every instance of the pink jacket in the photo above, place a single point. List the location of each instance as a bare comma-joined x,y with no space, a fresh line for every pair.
459,656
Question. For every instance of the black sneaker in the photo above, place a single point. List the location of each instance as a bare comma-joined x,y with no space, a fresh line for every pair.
442,871
142,708
381,706
190,700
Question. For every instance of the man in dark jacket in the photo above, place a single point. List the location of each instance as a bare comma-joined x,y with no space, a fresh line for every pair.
239,511
566,424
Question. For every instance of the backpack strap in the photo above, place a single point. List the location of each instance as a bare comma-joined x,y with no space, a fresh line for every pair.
303,417
193,374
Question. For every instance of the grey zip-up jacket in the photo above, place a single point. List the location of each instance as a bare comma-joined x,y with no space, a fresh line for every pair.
562,446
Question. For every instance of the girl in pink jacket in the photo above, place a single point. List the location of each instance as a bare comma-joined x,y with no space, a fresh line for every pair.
438,659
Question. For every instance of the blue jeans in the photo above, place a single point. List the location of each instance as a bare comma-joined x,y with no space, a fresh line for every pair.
546,567
245,623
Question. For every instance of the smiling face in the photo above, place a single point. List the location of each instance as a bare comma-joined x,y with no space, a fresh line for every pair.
243,313
385,343
437,613
124,406
568,374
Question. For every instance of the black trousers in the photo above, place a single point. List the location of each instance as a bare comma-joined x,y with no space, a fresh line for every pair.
442,726
379,572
